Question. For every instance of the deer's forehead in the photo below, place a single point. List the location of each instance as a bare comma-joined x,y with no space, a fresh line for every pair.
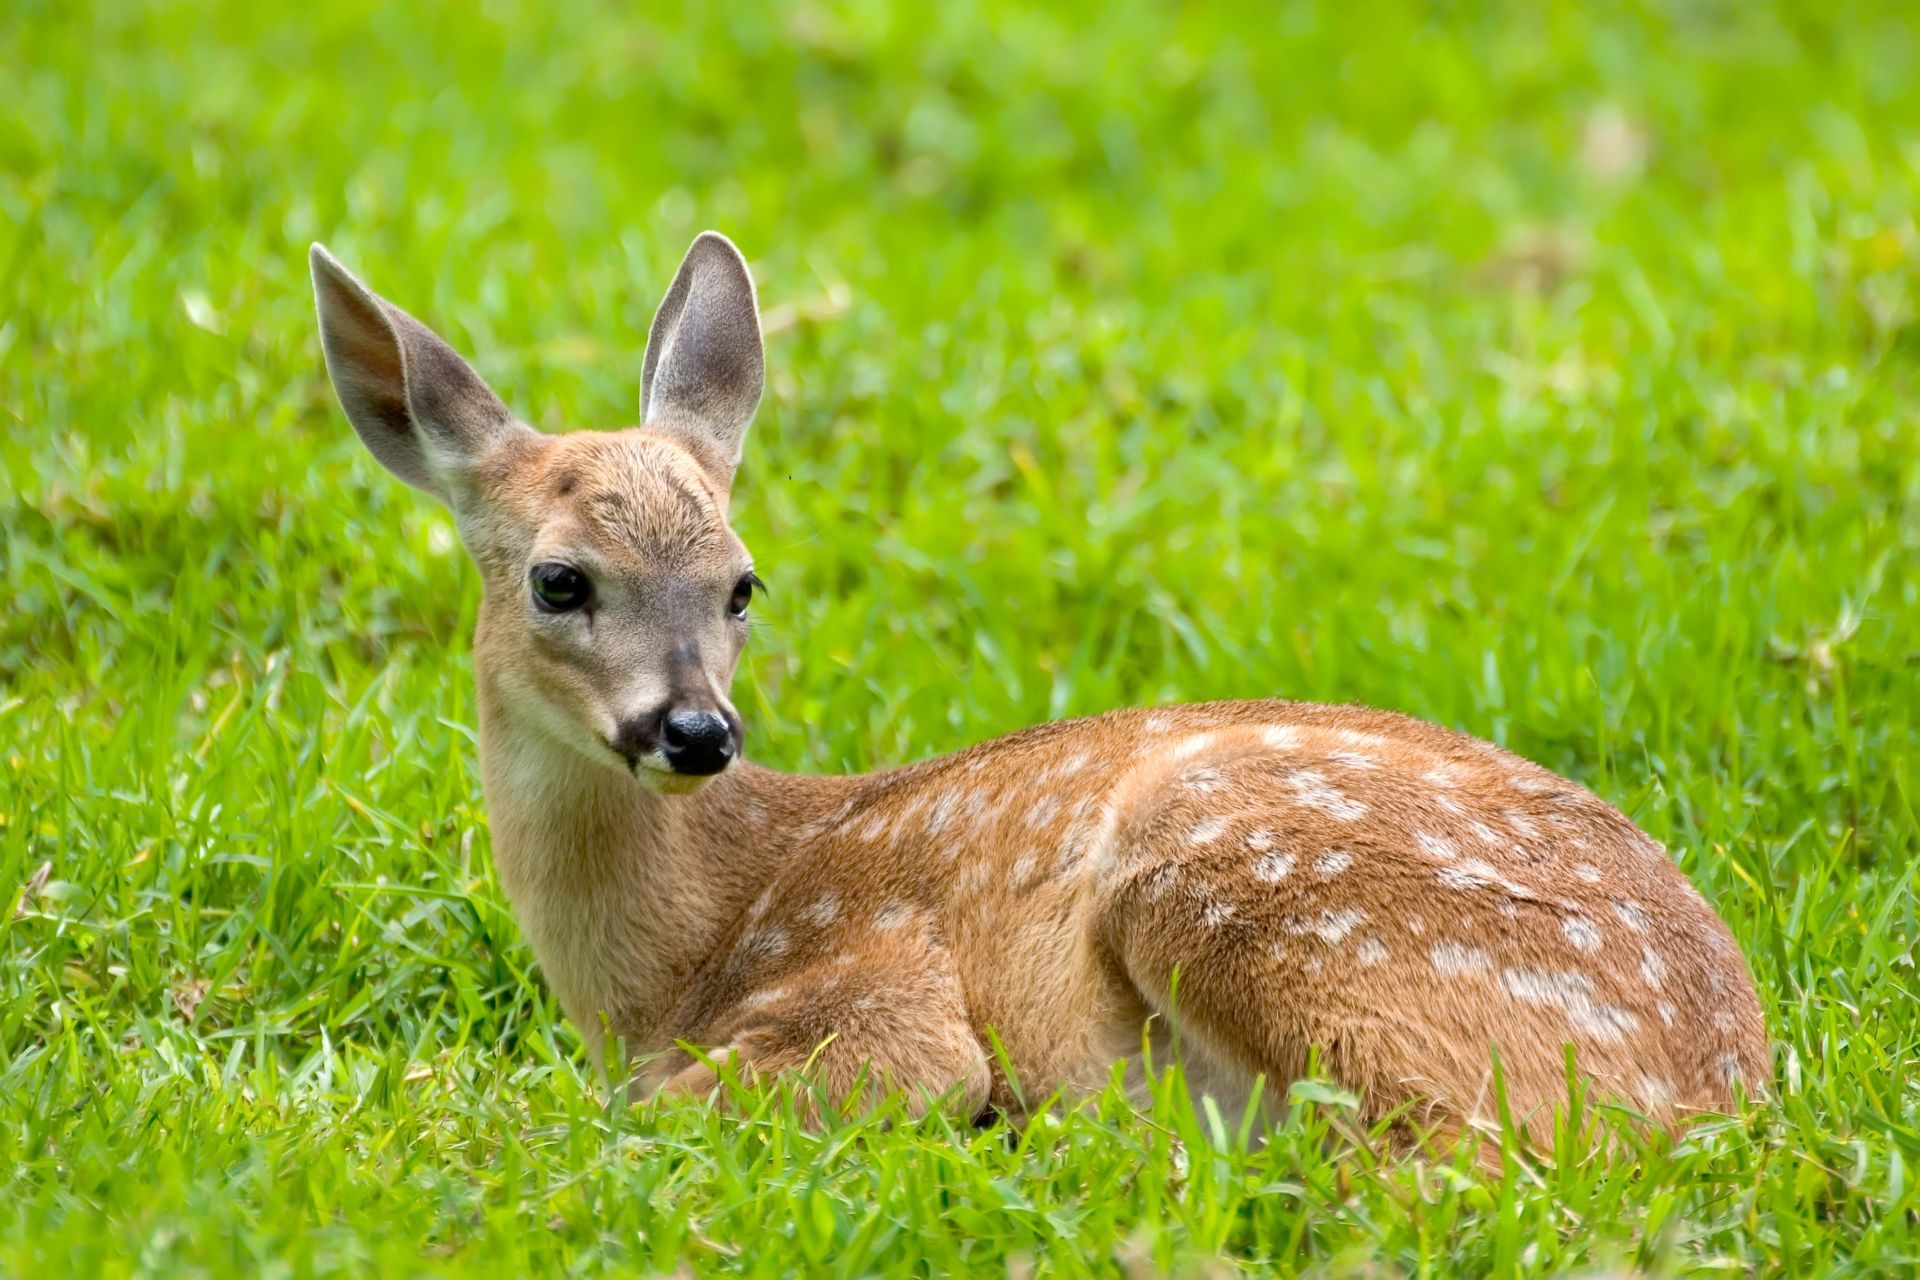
634,495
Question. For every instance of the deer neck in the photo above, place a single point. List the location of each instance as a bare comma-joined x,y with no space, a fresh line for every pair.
623,892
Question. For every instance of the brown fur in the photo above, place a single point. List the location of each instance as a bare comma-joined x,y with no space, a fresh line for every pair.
1267,879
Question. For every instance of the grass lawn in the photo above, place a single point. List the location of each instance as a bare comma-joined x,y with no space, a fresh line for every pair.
1550,374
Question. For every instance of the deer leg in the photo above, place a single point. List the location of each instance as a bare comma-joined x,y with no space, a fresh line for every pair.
870,1021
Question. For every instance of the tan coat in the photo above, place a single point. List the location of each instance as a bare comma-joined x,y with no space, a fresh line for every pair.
1258,881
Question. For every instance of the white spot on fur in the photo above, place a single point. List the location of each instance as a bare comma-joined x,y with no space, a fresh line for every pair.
1311,789
1434,847
1581,934
823,912
1043,811
1632,915
1329,926
1653,968
1101,845
1206,831
1666,1012
1072,764
1332,862
764,942
974,878
1521,824
908,815
1281,737
1259,841
1091,837
1274,866
1415,925
757,810
1448,804
1312,964
1021,871
1724,1020
1455,958
1528,783
1353,759
1476,874
876,825
1730,1067
1484,833
1216,913
1202,778
1372,951
769,995
1160,880
893,915
1071,858
1192,746
1508,908
1440,776
1657,1091
1588,872
1157,723
1572,993
942,811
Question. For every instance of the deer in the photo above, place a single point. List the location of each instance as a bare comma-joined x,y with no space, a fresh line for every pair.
1269,887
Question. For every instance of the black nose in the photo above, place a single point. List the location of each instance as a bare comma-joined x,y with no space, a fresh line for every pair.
696,742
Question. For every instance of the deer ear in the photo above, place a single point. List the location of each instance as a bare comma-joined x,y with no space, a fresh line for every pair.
705,370
420,408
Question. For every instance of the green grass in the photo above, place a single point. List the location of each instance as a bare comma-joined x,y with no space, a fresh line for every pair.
1550,374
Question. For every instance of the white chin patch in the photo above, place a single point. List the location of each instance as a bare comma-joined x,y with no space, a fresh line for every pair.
673,784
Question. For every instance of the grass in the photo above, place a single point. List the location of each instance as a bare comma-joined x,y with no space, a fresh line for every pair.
1549,373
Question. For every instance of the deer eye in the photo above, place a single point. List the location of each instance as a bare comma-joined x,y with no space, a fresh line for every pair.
743,594
559,588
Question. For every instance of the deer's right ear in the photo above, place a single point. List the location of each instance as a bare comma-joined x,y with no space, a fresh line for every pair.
420,408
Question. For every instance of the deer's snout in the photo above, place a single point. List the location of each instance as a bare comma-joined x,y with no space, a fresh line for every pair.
696,741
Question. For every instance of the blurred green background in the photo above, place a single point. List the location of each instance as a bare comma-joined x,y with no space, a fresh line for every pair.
1546,371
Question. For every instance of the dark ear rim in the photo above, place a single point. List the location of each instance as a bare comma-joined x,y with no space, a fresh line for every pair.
715,425
418,406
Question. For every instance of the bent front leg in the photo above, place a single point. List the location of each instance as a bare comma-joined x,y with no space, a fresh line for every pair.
889,1016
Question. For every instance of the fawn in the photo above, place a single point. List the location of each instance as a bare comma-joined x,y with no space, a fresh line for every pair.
1263,879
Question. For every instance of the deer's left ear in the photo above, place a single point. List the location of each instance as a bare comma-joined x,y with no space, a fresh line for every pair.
705,368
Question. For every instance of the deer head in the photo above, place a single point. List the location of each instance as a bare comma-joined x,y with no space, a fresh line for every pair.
615,594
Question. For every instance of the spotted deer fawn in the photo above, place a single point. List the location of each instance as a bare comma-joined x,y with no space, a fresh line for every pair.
1262,881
